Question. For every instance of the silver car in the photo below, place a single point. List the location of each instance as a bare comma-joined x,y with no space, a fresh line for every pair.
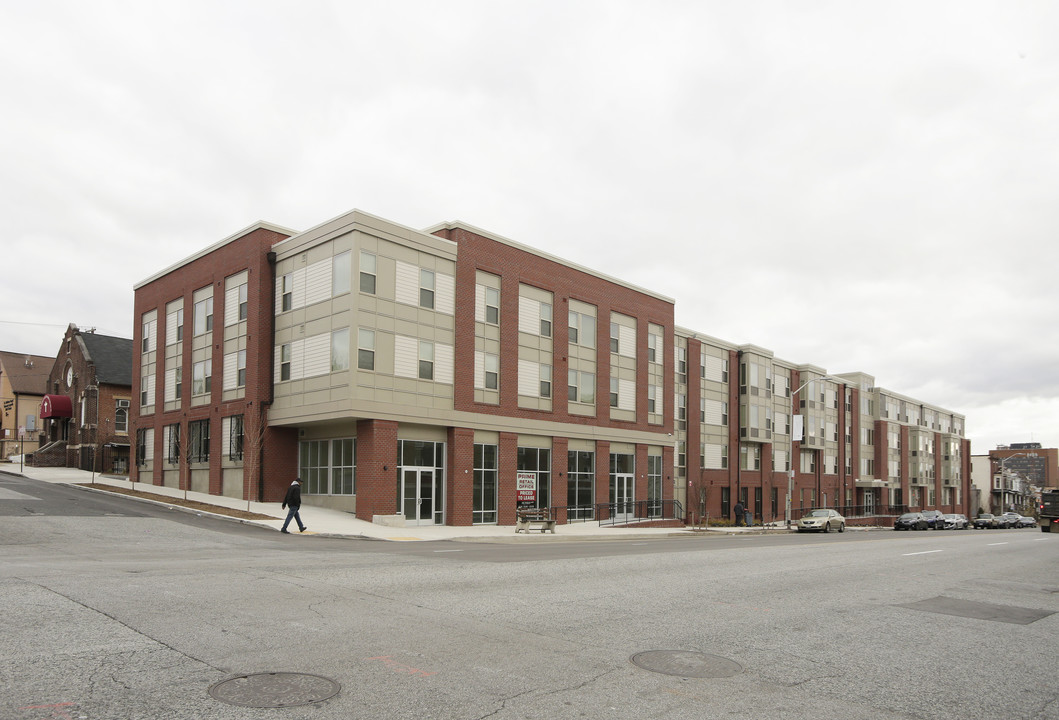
822,521
955,521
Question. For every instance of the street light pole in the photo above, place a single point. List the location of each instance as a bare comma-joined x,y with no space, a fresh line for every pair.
801,430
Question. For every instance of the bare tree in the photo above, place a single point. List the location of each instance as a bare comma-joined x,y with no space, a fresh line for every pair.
698,493
255,425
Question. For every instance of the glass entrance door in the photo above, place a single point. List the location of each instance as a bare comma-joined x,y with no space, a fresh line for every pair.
622,496
420,496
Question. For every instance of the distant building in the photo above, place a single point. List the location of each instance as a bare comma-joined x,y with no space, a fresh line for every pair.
450,375
23,379
85,409
1009,477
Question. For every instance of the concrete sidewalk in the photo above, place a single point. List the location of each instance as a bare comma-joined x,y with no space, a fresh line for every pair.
336,523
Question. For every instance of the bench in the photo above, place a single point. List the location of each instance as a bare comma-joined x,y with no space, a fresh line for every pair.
528,518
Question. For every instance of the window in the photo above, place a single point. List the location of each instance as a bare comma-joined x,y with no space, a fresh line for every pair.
367,272
145,396
180,324
340,350
200,377
287,292
203,316
240,369
148,332
582,387
172,444
426,361
199,441
121,416
141,448
235,437
426,289
284,362
653,393
614,392
178,381
340,273
546,320
546,381
654,345
582,329
682,364
485,484
492,371
581,477
749,456
366,349
614,337
492,306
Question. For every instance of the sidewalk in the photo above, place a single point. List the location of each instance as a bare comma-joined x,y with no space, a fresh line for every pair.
336,523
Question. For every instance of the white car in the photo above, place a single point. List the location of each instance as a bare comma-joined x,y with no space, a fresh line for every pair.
822,521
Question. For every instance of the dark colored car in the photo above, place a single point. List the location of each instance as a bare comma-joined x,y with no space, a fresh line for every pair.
1003,522
1027,521
984,521
911,521
935,519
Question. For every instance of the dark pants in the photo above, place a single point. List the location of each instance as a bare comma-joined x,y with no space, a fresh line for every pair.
292,512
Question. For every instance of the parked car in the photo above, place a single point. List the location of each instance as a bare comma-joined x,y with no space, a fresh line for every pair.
1013,518
911,521
822,520
1003,522
935,519
985,521
955,521
1026,521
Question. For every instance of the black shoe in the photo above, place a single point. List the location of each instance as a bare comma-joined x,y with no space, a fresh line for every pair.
304,529
285,532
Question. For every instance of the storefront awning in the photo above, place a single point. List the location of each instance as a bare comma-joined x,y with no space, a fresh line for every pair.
56,406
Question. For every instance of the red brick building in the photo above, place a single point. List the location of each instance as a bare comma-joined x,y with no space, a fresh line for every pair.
85,411
450,376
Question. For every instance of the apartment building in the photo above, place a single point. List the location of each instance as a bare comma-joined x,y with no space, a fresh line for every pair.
445,376
451,376
23,383
755,429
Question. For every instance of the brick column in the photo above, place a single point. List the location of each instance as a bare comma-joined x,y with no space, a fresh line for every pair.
376,468
459,480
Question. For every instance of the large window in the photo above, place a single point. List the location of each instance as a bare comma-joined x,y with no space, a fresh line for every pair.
485,474
341,269
582,329
141,447
199,441
426,289
654,485
426,361
235,437
203,316
340,350
172,444
328,467
581,482
201,373
582,387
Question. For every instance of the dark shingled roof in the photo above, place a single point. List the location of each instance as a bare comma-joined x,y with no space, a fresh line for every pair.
112,357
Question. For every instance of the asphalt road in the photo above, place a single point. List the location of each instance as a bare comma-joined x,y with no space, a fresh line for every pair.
119,609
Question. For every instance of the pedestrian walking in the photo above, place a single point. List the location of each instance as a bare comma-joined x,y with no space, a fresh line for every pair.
740,513
293,502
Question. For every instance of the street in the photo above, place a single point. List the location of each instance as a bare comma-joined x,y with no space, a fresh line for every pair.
120,609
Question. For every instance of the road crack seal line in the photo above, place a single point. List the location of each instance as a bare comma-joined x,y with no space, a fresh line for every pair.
124,624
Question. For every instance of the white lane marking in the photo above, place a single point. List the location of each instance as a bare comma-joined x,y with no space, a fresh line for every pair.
992,544
441,551
925,552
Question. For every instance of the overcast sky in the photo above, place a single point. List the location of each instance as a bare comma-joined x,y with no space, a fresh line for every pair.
860,186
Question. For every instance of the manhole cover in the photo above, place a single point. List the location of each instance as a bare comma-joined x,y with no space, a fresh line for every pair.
683,663
273,690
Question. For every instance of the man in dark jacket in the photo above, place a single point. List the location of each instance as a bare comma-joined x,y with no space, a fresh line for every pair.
740,513
293,503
